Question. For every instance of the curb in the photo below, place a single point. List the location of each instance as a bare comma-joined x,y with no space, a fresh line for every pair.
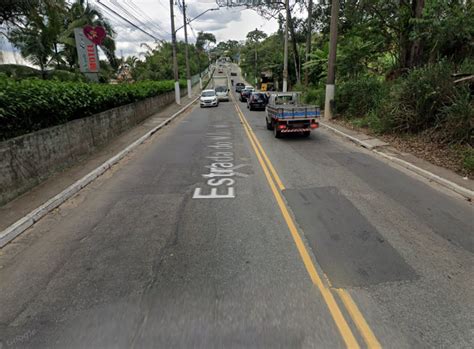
467,193
31,218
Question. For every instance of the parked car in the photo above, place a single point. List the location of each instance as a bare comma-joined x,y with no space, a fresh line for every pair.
233,73
222,93
239,87
257,100
209,99
245,93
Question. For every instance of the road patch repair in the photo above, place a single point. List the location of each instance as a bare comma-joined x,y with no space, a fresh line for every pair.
339,244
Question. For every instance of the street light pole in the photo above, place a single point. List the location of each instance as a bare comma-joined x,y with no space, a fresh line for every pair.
188,74
177,93
285,53
330,85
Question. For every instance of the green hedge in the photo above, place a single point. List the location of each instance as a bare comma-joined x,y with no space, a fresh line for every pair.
30,105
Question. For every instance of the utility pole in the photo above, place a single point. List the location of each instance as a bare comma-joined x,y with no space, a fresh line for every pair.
285,53
177,93
330,85
308,40
188,74
256,59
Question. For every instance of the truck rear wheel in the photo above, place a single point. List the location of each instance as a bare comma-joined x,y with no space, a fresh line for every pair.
269,125
276,132
306,133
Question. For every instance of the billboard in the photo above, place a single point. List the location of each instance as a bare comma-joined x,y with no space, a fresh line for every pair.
87,52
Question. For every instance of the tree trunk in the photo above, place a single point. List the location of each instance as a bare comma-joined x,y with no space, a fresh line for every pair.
410,51
293,40
416,46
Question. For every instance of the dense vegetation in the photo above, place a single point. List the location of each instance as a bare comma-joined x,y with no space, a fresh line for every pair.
56,92
31,104
400,65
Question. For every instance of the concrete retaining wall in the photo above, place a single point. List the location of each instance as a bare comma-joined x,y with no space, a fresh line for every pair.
27,160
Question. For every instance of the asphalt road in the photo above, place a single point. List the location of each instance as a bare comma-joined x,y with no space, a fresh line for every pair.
189,243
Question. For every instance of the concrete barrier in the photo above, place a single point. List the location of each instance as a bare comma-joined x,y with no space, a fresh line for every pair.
27,160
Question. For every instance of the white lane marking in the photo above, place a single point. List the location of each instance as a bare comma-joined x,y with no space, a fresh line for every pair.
221,175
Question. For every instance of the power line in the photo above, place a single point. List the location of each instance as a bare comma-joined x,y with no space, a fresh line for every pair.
147,20
127,13
165,7
139,11
129,22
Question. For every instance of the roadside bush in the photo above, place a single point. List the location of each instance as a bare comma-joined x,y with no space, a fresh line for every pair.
468,162
356,98
414,102
29,105
315,96
455,122
17,71
372,121
64,75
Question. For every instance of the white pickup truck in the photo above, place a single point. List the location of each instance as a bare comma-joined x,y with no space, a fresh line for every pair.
285,114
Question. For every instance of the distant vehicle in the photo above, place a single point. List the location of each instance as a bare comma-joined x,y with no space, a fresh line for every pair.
222,93
233,73
257,100
239,87
284,114
245,93
209,99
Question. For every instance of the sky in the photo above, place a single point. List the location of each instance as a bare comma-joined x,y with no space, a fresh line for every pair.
225,24
154,16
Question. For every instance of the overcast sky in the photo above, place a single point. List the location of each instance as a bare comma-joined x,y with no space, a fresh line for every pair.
225,24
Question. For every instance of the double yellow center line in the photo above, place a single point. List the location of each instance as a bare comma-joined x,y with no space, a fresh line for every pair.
277,186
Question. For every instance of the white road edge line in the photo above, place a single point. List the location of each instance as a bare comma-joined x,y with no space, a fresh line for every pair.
467,193
31,218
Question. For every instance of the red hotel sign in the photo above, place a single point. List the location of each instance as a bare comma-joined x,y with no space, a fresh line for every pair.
86,52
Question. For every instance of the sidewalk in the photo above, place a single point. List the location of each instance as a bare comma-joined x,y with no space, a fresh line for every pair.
24,204
440,175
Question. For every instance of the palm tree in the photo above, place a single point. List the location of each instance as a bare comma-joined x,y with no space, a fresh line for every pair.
38,38
79,15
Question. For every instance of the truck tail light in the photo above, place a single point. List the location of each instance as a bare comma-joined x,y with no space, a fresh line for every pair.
282,126
314,125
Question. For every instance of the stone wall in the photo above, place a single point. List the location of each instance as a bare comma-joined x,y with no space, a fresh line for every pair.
27,160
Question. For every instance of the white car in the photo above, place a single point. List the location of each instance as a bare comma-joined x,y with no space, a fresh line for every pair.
222,93
209,99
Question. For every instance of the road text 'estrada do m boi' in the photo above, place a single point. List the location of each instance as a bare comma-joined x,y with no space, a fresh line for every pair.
221,176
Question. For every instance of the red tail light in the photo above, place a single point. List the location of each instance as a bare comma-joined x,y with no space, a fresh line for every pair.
314,125
281,126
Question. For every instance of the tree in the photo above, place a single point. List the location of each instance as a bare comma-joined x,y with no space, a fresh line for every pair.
202,42
204,39
38,35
